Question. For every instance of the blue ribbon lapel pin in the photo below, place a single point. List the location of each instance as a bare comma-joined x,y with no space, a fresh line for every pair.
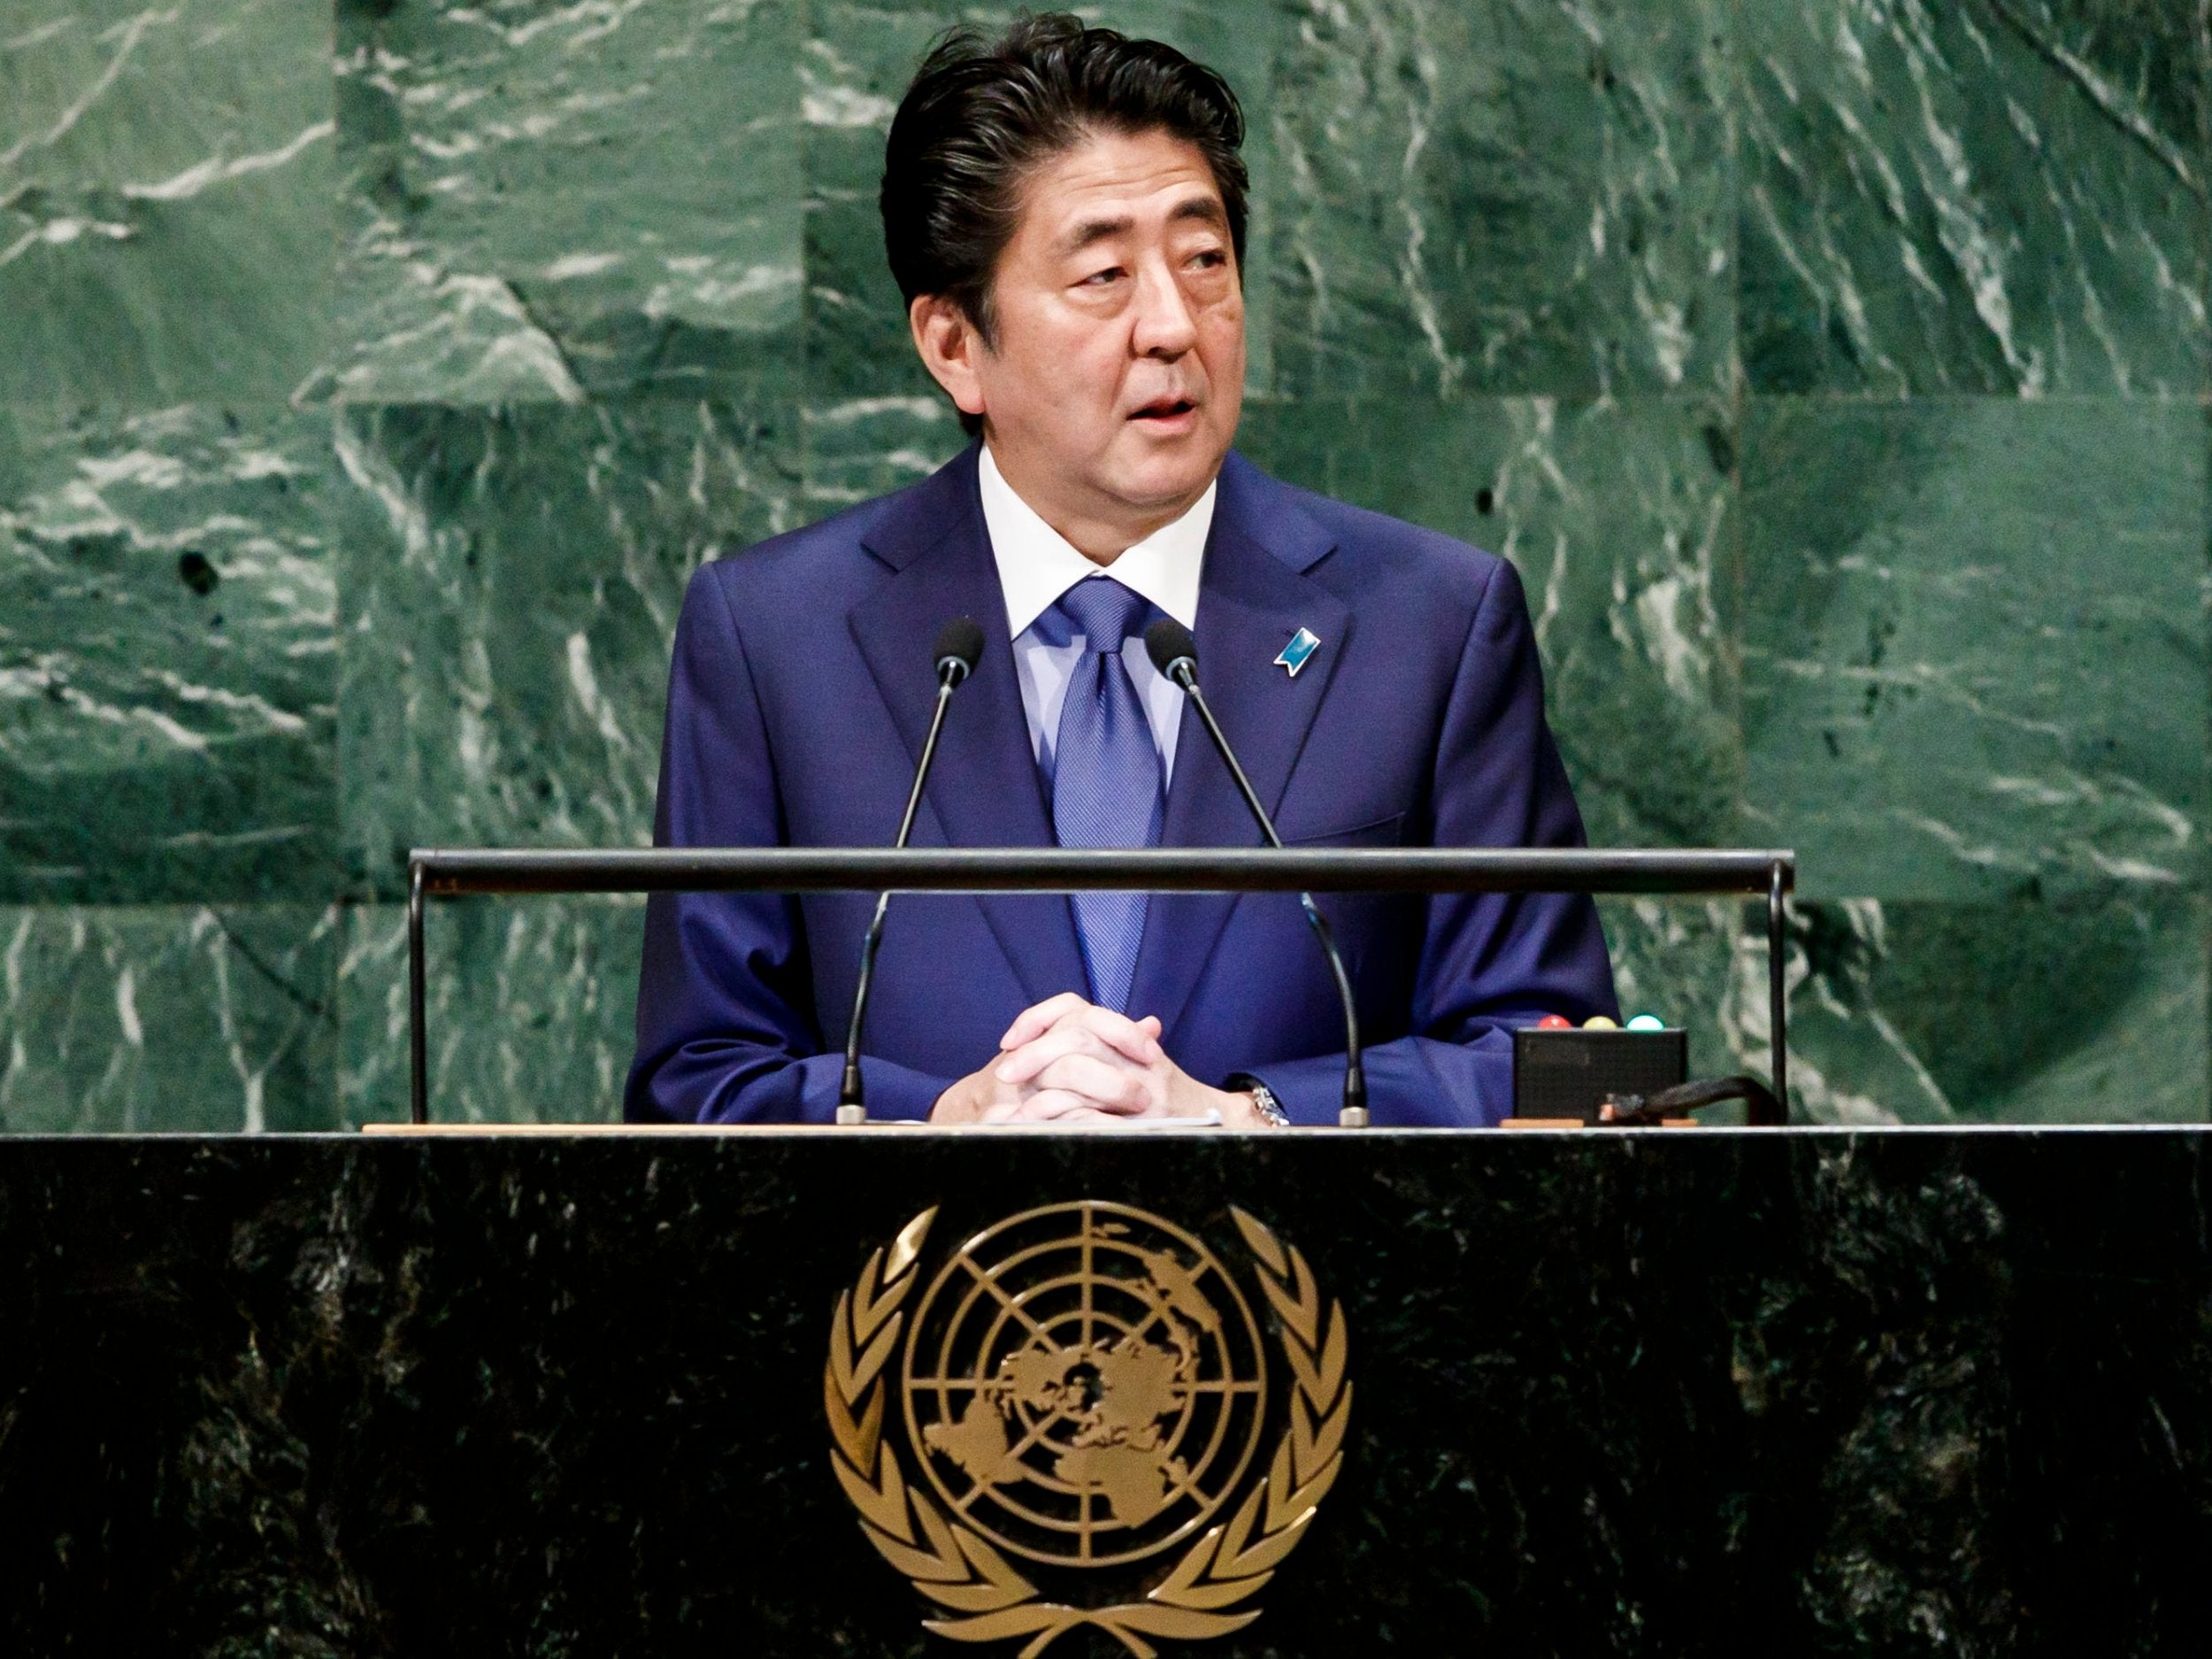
1299,652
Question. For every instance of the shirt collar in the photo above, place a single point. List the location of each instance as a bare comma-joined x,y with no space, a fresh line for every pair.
1036,563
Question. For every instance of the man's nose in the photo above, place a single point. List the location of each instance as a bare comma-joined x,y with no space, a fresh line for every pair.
1165,327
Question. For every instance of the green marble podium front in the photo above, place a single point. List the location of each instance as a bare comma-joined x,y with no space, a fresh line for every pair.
1640,1392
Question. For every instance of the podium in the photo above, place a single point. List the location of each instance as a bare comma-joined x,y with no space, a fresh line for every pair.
1636,1392
890,1390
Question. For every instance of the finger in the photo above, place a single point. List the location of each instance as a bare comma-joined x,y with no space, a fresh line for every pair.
1042,1107
1110,1087
1055,1105
1032,1023
1066,1038
1131,1036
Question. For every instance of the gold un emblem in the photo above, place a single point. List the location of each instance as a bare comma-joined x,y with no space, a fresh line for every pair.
1084,1386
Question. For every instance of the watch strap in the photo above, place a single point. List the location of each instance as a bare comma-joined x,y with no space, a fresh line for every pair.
1263,1101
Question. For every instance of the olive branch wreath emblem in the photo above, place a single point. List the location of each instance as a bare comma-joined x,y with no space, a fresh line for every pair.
986,1597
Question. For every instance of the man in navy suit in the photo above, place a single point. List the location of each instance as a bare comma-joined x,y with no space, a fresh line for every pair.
1064,210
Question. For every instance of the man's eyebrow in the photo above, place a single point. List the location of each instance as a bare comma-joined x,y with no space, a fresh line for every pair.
1095,230
1205,208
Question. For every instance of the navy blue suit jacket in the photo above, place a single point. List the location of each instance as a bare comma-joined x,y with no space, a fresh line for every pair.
799,692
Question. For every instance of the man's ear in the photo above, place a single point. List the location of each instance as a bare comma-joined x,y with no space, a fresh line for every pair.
949,345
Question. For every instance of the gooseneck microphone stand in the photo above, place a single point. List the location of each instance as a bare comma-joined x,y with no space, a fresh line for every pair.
1175,654
959,644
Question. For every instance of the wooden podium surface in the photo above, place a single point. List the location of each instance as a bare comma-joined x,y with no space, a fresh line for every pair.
1635,1392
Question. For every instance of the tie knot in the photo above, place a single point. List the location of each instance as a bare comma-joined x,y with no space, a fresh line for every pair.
1104,611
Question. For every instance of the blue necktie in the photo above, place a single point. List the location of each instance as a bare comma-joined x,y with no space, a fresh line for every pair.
1105,776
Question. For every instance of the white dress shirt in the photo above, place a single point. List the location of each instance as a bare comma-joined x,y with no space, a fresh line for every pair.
1036,565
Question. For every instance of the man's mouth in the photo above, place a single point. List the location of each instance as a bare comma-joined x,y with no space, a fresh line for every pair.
1165,408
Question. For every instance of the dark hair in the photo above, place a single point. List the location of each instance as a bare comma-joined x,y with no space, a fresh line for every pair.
981,116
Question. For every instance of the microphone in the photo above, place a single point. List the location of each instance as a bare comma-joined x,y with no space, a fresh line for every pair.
959,644
1175,655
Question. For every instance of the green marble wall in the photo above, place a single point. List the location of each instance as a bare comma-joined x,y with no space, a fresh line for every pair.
371,380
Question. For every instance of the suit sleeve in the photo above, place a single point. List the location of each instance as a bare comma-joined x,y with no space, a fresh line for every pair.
1489,962
726,1028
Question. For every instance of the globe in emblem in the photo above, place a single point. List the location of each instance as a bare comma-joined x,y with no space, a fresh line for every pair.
1085,1383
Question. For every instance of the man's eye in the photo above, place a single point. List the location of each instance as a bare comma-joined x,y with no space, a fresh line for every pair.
1212,257
1099,278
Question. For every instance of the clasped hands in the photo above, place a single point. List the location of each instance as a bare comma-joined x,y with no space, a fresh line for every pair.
1069,1062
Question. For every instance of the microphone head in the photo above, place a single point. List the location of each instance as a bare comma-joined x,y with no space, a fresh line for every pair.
960,640
1168,643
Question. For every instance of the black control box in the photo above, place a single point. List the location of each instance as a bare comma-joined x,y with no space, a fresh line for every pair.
1569,1074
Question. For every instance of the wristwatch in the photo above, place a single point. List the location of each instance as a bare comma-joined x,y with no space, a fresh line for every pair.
1263,1101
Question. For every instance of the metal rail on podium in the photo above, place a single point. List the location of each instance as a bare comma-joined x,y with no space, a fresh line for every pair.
441,872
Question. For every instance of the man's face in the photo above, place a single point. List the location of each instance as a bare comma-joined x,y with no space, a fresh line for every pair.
1117,373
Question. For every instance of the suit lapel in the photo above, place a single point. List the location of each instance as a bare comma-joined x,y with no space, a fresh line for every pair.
1252,598
984,790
